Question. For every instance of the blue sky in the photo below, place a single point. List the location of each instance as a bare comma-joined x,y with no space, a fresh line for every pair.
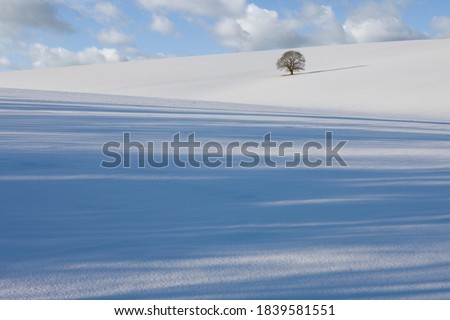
52,33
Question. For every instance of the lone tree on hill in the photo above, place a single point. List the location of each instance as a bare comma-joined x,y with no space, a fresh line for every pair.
291,61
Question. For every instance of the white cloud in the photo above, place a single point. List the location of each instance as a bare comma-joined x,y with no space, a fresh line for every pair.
45,57
442,25
379,22
133,53
5,62
326,28
208,8
108,10
113,36
105,11
260,28
230,34
162,25
257,29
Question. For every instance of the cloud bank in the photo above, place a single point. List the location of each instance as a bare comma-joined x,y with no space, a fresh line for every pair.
45,57
313,24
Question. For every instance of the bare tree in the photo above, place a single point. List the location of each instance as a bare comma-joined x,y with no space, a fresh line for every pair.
291,61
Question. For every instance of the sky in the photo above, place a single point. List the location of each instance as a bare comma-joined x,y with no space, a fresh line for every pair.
55,33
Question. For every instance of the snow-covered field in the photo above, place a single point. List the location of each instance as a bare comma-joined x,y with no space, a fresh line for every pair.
398,79
379,228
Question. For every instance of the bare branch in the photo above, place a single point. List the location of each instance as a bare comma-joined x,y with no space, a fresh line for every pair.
291,61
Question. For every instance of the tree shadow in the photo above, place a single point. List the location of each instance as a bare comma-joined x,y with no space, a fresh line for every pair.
336,69
326,70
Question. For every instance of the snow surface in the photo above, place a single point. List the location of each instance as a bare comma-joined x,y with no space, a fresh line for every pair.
379,228
409,78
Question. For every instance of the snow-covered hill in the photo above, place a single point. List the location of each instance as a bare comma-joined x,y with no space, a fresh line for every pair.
378,228
403,79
